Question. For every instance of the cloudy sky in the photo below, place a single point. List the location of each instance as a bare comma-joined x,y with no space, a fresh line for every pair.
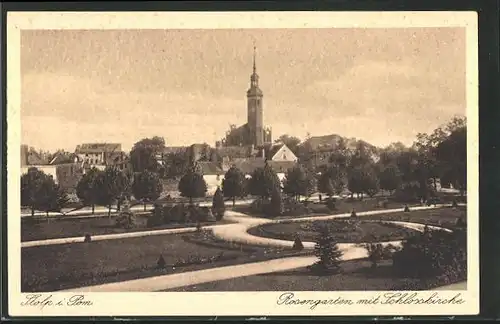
380,85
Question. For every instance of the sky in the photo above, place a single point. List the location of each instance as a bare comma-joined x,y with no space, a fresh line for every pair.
188,86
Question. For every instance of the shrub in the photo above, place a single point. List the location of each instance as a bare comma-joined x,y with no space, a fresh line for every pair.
257,206
407,192
461,222
433,254
330,203
406,209
353,213
218,205
161,264
176,214
87,238
297,244
275,206
454,203
294,208
125,219
383,204
377,252
327,251
156,217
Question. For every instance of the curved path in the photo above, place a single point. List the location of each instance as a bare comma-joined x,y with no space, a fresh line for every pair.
225,231
238,233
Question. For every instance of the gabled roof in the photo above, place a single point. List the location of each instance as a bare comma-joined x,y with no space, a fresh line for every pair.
98,148
33,158
61,158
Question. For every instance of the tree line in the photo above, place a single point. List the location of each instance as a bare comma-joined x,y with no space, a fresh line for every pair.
402,171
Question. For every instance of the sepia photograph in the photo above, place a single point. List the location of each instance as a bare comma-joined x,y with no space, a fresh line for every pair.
253,158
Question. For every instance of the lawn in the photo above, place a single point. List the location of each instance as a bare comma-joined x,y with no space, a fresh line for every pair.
365,231
73,227
443,217
342,206
356,276
55,267
345,232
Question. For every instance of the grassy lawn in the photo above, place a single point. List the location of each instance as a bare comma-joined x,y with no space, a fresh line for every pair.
49,229
356,275
343,231
342,206
443,217
54,267
365,231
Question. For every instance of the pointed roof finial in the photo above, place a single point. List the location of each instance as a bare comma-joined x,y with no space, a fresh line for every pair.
254,50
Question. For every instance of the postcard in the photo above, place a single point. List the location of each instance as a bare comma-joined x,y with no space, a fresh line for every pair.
242,163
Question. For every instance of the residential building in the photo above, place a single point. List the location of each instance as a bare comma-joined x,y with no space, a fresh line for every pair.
97,153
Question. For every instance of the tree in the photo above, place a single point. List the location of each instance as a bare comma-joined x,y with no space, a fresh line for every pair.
143,154
390,178
147,187
192,185
263,181
327,251
325,184
218,204
363,179
39,191
276,205
31,184
451,154
332,179
361,174
233,184
291,141
111,185
86,189
299,182
176,164
51,198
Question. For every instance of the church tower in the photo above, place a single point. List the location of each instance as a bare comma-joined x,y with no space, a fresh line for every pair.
255,111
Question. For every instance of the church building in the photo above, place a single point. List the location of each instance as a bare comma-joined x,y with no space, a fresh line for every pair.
250,146
253,133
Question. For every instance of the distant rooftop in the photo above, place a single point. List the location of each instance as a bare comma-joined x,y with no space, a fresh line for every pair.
98,147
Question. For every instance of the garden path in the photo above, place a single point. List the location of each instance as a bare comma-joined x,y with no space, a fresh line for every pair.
238,233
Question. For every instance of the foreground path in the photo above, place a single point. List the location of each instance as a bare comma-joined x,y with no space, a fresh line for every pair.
197,277
80,239
237,232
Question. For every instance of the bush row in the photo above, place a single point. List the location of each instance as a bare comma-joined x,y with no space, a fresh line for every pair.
179,214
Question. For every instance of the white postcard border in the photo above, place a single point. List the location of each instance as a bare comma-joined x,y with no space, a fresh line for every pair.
232,303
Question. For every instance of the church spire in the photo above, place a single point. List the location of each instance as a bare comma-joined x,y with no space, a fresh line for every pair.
254,67
254,78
